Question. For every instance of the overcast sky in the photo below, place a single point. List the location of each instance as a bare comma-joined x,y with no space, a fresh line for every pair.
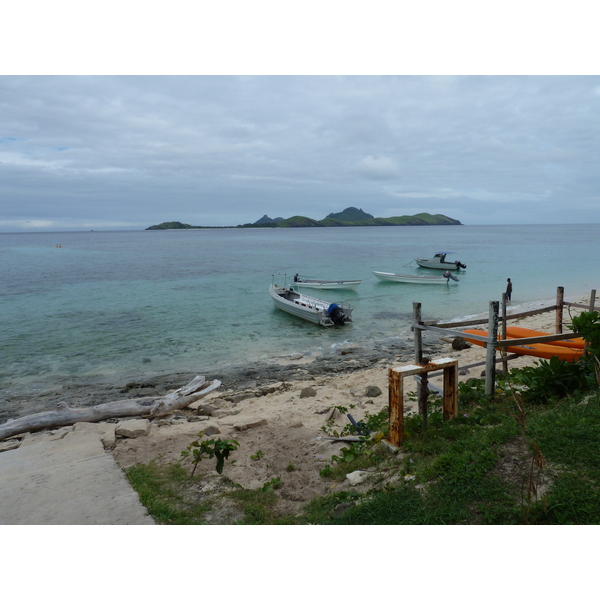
101,152
129,151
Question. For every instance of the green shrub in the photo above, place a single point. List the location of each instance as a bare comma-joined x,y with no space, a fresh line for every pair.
587,324
554,378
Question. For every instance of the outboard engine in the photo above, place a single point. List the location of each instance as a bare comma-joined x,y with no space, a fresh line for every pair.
336,314
449,275
460,265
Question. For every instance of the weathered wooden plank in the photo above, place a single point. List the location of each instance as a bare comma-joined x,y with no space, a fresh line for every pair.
490,361
542,339
560,299
417,332
509,341
423,396
457,333
450,393
396,407
481,321
503,334
433,365
481,364
577,305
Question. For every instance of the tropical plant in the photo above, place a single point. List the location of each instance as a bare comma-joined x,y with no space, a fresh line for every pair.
212,448
554,378
587,324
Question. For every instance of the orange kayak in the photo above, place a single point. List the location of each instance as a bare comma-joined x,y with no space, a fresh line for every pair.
521,332
539,350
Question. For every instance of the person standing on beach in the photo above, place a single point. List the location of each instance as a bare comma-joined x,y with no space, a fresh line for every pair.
508,289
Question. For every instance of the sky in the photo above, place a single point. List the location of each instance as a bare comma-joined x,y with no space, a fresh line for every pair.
98,146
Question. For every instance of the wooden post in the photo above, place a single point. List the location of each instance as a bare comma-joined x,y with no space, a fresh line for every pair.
417,332
450,402
423,395
396,406
502,350
592,304
423,391
490,360
560,304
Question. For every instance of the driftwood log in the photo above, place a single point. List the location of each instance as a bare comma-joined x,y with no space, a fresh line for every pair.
149,406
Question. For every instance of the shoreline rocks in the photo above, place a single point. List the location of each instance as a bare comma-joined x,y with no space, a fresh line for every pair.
236,379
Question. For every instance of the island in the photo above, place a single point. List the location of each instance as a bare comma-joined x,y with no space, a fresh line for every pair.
350,217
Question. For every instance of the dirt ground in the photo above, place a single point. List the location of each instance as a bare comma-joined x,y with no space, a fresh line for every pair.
280,434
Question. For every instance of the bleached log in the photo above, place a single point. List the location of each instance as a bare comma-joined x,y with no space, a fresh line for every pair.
151,406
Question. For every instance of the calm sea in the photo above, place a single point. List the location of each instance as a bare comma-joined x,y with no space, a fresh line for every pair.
141,303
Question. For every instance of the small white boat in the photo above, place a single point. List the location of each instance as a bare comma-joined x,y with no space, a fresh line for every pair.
310,309
439,262
325,284
405,278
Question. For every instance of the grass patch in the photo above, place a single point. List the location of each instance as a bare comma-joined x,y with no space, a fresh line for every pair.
160,488
568,434
499,462
258,506
485,468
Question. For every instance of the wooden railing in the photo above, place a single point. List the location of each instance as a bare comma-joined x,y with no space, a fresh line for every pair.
492,341
424,368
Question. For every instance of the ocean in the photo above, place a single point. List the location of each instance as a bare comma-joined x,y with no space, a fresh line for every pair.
135,304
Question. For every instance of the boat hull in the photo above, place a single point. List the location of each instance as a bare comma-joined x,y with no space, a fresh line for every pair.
546,351
428,264
420,279
328,285
439,262
308,308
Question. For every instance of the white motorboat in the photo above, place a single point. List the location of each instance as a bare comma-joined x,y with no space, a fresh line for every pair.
325,284
310,309
407,278
439,262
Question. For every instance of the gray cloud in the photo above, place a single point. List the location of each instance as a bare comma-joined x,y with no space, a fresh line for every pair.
132,151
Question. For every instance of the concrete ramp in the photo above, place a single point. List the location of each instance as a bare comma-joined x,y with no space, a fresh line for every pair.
71,481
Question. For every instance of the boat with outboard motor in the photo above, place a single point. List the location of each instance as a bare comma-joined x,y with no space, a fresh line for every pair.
326,284
320,312
406,278
439,262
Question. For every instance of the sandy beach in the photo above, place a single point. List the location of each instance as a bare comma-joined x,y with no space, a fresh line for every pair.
278,420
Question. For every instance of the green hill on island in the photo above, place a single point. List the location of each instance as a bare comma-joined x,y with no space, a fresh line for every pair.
172,225
350,217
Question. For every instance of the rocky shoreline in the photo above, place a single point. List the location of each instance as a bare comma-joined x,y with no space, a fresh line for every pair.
90,391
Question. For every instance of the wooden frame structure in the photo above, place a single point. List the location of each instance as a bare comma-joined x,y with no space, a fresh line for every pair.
396,394
492,341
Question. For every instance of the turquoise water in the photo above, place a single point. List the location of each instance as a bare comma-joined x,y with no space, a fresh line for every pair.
141,303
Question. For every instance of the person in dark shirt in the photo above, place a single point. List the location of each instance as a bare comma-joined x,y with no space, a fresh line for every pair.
508,289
